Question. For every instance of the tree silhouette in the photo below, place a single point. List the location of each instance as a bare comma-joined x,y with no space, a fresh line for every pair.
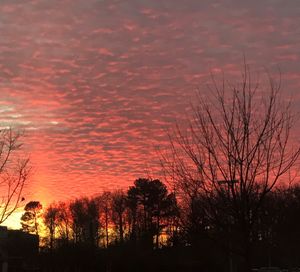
104,204
85,221
150,199
187,227
50,221
281,225
63,220
92,234
118,212
235,150
171,215
14,172
132,205
30,218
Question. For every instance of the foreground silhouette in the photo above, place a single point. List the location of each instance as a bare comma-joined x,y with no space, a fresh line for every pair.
234,151
145,229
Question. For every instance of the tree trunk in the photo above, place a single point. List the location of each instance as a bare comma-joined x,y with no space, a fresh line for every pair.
106,228
121,228
157,231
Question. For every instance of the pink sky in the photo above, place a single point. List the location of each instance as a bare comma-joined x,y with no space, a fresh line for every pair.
95,84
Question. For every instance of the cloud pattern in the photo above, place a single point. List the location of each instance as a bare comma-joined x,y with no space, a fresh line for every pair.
95,84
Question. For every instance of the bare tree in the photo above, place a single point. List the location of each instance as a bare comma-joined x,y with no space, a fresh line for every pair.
118,207
50,222
63,221
104,203
14,172
85,221
235,150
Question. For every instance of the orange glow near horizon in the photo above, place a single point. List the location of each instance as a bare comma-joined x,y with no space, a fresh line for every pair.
13,222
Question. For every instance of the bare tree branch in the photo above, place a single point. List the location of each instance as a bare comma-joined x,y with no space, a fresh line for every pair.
14,172
239,135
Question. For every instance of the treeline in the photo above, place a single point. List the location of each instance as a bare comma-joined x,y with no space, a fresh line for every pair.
142,215
148,228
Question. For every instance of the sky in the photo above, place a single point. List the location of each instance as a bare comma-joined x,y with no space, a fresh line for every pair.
95,84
